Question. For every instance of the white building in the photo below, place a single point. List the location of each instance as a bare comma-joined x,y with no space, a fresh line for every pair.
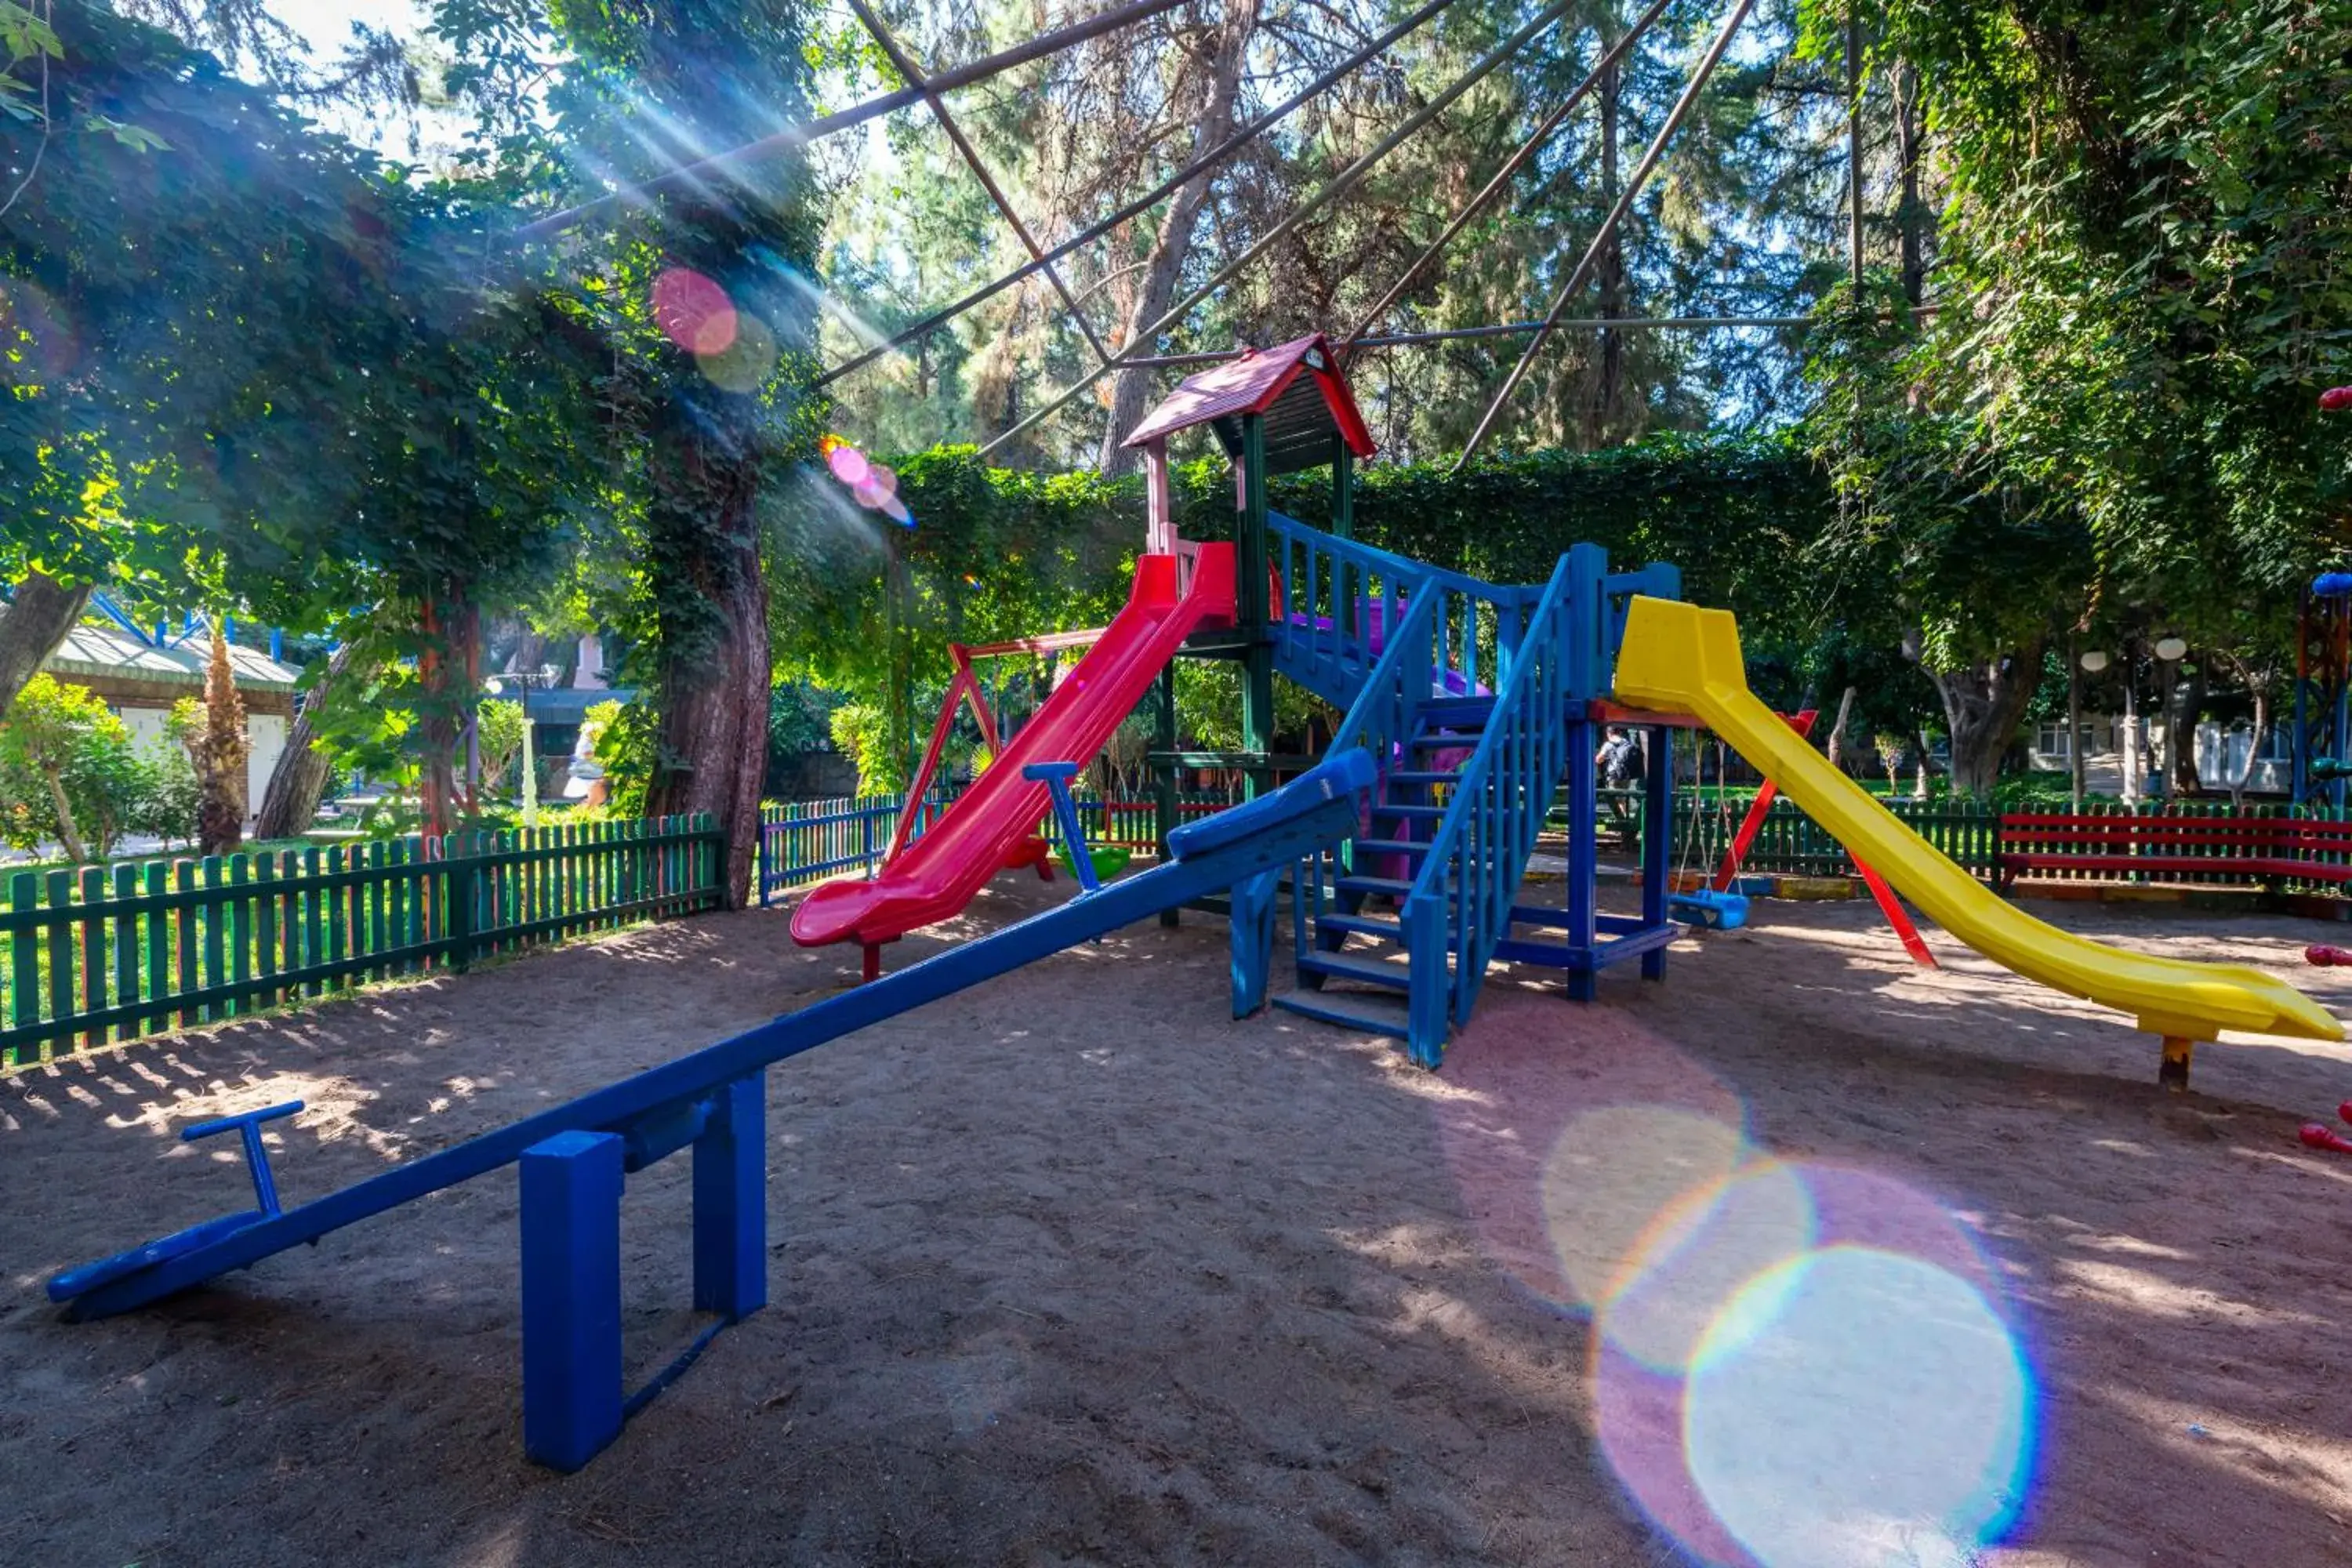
141,680
2221,753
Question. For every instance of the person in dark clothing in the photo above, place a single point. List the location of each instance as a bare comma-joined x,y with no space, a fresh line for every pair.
1620,763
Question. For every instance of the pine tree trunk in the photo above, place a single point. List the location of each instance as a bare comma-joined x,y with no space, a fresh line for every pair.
1911,216
290,800
1129,389
31,627
712,599
1608,350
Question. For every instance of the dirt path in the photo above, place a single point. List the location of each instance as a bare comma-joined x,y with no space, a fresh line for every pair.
1073,1268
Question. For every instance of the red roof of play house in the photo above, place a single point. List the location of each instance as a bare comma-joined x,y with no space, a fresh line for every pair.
1297,385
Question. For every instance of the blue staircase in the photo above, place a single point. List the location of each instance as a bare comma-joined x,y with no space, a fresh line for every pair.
1476,702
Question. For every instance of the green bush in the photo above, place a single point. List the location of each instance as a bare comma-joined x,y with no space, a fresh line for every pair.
70,772
623,739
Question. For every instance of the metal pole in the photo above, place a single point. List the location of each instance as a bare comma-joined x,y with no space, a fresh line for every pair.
1337,185
800,135
1143,202
1502,330
1511,166
905,65
1640,176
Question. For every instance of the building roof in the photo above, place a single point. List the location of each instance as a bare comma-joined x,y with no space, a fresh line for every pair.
1299,388
97,652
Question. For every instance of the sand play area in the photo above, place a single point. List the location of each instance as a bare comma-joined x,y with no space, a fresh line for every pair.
1804,1257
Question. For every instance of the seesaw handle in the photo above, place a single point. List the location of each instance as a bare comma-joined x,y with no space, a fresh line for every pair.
257,1158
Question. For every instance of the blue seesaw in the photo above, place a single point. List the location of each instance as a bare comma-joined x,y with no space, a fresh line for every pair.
574,1159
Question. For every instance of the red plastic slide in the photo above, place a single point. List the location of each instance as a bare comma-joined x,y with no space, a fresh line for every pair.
938,874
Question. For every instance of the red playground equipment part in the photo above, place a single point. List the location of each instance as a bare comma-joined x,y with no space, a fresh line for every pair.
1888,904
2320,953
994,824
2315,1136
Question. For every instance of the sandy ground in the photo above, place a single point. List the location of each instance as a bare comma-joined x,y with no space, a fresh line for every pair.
1073,1268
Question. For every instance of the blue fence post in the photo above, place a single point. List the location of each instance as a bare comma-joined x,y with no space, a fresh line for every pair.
762,860
731,1201
570,1298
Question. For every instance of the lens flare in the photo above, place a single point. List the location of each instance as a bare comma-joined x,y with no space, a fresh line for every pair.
1705,1251
1857,1406
694,312
1615,1173
745,360
848,465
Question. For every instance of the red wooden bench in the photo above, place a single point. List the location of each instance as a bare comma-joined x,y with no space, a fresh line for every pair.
2266,849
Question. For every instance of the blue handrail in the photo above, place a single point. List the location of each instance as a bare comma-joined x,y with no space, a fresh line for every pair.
1481,848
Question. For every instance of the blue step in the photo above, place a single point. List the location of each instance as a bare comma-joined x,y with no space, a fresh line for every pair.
1394,887
1376,1019
1423,775
1389,847
1362,925
1370,971
1416,813
1454,742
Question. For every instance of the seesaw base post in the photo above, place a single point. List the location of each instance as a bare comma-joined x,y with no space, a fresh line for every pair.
570,1298
730,1203
573,1402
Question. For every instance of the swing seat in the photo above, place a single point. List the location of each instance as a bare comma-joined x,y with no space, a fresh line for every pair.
1706,907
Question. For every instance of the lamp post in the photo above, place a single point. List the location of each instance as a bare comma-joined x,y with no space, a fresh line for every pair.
524,681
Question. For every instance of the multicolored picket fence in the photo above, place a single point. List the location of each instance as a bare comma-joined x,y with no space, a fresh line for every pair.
111,952
809,841
1968,833
1789,842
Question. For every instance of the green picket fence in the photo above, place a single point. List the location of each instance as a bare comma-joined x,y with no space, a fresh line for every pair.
1791,843
808,841
111,952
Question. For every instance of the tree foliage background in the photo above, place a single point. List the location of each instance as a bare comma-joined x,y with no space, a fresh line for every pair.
253,366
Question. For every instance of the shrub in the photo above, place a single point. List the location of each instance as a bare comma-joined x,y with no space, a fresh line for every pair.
70,772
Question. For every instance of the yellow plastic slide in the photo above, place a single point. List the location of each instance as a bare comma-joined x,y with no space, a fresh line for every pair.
1680,658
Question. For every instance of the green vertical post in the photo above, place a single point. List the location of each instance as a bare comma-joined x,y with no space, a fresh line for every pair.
158,940
240,936
314,948
378,939
184,930
215,966
1164,783
93,952
24,964
266,961
1250,560
126,946
61,957
1343,489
